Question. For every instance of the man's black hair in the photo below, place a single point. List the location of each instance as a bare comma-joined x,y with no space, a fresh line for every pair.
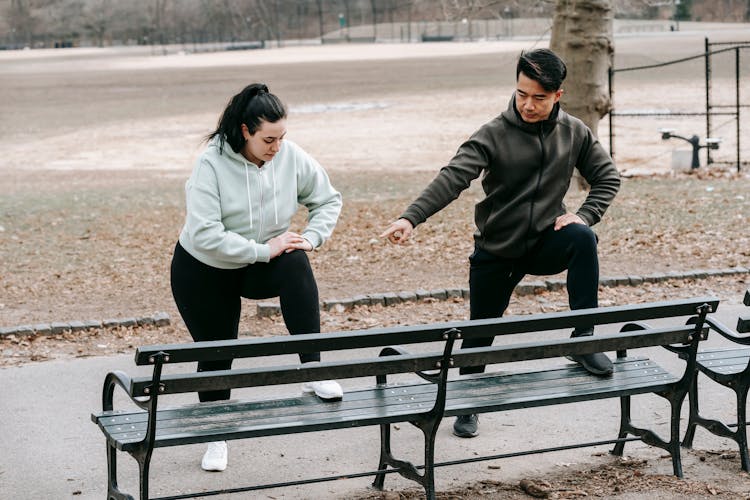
543,66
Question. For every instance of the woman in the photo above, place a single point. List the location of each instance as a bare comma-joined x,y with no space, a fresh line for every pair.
243,192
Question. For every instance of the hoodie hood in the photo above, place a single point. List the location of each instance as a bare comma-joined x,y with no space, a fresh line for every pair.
546,126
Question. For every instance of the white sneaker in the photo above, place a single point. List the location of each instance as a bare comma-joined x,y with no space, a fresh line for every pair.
324,389
215,458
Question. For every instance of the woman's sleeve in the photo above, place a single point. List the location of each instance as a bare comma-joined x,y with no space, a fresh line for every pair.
323,202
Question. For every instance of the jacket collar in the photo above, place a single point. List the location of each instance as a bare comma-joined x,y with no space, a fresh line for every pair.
511,115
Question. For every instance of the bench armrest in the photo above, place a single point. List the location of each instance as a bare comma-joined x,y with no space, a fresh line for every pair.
431,376
743,324
727,332
122,379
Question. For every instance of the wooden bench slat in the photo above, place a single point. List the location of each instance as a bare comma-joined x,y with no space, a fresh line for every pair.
287,374
733,355
540,376
724,361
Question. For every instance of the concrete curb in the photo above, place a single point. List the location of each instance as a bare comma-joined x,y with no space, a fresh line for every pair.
56,328
268,309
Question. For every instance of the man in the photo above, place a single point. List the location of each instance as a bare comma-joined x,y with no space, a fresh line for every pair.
526,158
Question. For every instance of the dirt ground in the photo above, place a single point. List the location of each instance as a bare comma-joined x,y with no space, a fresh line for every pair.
97,145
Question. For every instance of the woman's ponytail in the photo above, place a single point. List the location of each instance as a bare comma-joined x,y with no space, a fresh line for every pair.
251,106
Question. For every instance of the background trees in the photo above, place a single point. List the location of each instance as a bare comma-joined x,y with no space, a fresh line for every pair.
582,35
46,23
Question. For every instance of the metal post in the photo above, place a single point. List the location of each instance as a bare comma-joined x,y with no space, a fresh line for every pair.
708,97
737,101
611,78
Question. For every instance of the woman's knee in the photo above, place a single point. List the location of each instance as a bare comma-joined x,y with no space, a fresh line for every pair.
294,269
296,260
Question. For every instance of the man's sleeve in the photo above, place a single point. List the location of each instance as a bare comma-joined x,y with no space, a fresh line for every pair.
450,182
597,167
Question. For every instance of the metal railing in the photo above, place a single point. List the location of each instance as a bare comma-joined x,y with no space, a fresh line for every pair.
733,110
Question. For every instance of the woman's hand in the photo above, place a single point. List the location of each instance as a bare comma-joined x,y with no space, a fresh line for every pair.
288,242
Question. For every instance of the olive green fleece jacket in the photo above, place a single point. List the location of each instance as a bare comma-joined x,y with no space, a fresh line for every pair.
526,169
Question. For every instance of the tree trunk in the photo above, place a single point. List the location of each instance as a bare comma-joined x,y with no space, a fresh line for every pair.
582,36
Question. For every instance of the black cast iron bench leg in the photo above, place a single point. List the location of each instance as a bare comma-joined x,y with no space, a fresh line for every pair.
385,455
407,469
742,425
649,437
113,492
624,425
740,388
694,416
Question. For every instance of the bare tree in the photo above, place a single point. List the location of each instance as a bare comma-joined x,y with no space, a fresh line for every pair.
63,22
98,20
268,13
582,34
20,22
319,4
374,6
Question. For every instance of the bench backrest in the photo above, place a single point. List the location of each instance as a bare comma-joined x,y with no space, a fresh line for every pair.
555,348
404,335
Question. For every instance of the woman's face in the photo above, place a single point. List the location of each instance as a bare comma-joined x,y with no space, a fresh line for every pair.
263,145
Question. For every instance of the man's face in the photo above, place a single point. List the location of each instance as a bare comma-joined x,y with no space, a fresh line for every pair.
533,103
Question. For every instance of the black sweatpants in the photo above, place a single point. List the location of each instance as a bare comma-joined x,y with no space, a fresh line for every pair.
209,299
492,279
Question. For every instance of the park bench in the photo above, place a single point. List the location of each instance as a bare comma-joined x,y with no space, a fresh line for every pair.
422,402
729,367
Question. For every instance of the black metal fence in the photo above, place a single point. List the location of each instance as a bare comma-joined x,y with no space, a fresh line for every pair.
712,110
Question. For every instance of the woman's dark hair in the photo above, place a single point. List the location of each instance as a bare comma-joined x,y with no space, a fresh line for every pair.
543,66
251,106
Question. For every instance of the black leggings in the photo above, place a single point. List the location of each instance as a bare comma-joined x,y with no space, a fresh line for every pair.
209,299
492,279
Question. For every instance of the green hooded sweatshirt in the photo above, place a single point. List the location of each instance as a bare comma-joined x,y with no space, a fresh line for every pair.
526,169
234,206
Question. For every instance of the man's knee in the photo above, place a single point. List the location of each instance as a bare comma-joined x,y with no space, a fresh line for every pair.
582,236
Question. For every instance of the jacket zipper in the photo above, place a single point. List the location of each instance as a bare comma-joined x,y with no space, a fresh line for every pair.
536,189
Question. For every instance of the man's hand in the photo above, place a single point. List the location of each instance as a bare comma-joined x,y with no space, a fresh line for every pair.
566,219
288,242
398,232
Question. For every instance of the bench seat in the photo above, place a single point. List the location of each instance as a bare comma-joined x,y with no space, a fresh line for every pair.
730,368
203,422
725,361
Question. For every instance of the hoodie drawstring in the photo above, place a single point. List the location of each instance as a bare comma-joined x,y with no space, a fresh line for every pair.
249,202
275,210
247,188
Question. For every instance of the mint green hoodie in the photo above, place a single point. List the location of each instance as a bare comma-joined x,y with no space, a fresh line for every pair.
234,207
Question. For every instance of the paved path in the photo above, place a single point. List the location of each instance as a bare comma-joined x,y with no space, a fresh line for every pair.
52,450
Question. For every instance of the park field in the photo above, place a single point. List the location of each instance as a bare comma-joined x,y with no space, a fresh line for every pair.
97,144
